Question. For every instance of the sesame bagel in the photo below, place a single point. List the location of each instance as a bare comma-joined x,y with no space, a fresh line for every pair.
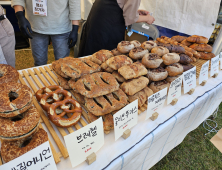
8,74
13,149
15,98
19,126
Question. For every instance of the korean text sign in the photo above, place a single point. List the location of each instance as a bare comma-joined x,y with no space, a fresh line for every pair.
189,80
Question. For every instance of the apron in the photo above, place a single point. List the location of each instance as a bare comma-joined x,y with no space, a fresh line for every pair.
104,28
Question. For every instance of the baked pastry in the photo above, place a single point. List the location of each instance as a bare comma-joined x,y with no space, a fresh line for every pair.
185,59
160,40
132,70
157,74
202,47
118,61
108,123
125,47
75,67
160,51
102,105
206,56
174,69
187,67
171,79
118,77
101,56
170,58
15,98
135,43
20,126
142,96
80,98
63,82
8,74
151,60
96,84
130,87
116,52
197,39
137,53
186,43
148,45
159,85
106,68
178,38
14,149
56,66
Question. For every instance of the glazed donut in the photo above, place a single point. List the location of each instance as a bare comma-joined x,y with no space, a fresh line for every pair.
137,53
15,98
8,74
13,149
20,126
58,119
125,47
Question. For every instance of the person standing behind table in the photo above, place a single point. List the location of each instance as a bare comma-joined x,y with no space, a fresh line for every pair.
106,24
7,40
57,19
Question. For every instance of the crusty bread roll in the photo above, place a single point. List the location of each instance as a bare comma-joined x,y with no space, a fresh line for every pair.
186,43
157,74
125,47
137,53
170,58
178,38
187,67
185,59
151,60
197,39
118,61
159,85
206,56
202,47
149,45
116,52
160,51
174,69
135,43
118,77
171,79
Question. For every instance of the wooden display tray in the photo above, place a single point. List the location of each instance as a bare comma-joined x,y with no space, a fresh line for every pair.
40,77
198,65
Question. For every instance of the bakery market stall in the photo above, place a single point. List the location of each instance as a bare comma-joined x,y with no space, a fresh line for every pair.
63,98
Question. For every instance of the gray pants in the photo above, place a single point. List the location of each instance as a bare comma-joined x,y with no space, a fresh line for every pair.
39,46
7,41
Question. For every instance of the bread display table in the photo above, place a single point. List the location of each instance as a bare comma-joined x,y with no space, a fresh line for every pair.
149,140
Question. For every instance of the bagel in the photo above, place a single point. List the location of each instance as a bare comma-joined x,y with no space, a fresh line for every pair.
15,98
20,126
13,149
8,74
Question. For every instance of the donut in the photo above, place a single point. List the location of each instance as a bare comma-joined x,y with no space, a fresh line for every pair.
59,119
151,60
148,45
170,58
135,43
174,69
13,149
125,47
157,74
15,98
137,53
20,126
8,74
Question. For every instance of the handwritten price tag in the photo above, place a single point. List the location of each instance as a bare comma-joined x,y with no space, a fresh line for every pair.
85,141
204,72
125,119
156,102
174,90
40,7
38,158
189,80
214,65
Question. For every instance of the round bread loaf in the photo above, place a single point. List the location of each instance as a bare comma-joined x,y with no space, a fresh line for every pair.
174,69
8,74
160,51
151,60
148,45
15,98
20,126
56,66
185,59
116,52
125,47
171,79
157,74
13,149
170,58
135,43
159,85
137,53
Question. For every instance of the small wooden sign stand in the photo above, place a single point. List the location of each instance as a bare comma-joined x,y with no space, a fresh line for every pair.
91,158
174,101
215,75
203,83
126,134
154,116
191,91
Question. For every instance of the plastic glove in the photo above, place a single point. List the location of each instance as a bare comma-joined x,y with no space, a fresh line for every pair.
73,36
24,24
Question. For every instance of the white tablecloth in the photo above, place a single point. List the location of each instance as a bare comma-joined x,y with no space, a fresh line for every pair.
150,140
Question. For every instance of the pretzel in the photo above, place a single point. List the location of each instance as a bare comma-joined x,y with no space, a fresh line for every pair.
58,119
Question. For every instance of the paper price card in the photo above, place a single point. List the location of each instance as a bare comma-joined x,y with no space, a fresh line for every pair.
204,72
189,80
39,7
125,119
174,90
214,65
38,158
85,141
156,102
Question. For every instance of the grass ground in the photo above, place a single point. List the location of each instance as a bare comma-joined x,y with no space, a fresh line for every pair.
195,152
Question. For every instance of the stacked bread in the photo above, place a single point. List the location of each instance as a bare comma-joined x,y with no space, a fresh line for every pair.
19,120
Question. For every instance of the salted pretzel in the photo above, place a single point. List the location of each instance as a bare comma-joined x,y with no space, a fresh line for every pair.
59,119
